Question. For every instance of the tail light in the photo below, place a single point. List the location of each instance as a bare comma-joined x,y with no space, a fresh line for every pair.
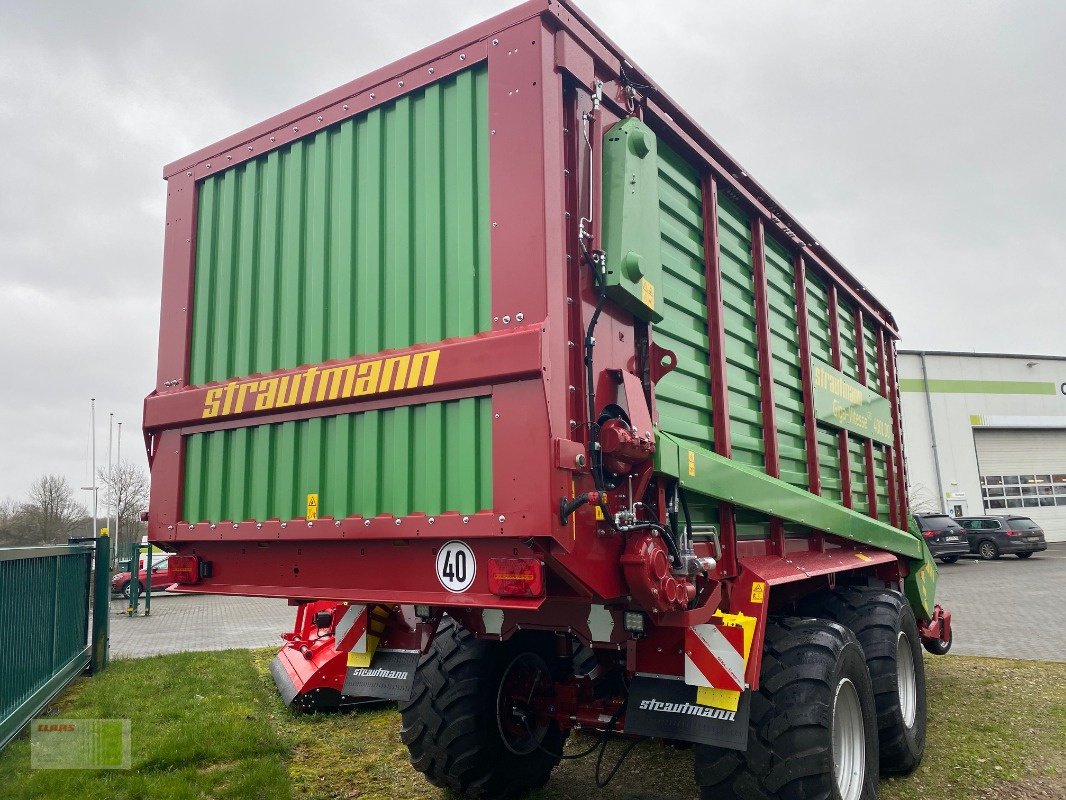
516,577
185,569
929,534
1009,532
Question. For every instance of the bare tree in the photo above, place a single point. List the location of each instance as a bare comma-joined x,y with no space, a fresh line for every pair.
922,500
12,524
126,495
51,514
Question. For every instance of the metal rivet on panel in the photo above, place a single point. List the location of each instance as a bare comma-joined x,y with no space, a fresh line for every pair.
191,527
345,107
284,524
506,319
309,523
462,56
466,520
431,70
372,95
366,523
492,132
495,319
400,84
337,524
496,416
250,149
259,524
519,316
189,173
432,520
208,166
229,158
503,518
495,42
398,521
234,526
272,138
495,224
319,117
295,129
212,526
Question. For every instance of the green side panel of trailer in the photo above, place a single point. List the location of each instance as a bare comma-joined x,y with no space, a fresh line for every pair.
787,370
426,458
368,235
741,340
683,397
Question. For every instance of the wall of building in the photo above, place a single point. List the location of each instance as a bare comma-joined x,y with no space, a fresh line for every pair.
969,392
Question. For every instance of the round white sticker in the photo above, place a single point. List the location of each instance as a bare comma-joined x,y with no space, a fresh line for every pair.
456,566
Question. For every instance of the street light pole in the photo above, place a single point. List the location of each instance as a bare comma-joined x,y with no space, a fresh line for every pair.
92,423
118,463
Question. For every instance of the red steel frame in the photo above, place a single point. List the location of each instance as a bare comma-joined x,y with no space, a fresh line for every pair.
527,50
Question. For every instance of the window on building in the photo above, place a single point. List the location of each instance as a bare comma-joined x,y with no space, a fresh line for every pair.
1023,491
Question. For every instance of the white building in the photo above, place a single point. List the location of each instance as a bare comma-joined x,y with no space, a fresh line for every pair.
986,434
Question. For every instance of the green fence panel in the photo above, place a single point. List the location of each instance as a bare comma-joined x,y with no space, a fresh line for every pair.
44,630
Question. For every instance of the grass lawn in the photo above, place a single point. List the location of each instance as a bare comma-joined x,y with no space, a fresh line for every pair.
210,725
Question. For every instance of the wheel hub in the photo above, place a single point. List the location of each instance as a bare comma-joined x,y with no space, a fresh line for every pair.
906,682
849,741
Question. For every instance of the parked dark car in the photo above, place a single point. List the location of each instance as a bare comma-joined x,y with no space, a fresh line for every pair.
991,537
944,535
161,579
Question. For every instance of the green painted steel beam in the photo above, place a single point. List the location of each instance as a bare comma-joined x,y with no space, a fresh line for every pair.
947,386
710,474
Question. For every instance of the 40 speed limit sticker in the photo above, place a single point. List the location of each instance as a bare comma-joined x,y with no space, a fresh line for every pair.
456,566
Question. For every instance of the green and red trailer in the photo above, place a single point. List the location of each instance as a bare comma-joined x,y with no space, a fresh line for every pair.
547,417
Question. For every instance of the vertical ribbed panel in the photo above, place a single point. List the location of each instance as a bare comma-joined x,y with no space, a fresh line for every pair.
869,341
368,235
881,483
46,614
788,376
821,348
683,397
742,354
849,353
426,459
857,462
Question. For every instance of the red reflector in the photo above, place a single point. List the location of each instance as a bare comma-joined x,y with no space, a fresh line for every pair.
185,569
516,577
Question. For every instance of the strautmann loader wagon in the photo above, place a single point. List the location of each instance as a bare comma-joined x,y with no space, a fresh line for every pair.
547,417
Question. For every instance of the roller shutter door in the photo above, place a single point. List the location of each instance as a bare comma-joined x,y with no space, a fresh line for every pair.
1024,472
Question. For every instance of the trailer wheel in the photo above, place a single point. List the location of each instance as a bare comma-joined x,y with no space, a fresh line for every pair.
884,624
459,726
813,727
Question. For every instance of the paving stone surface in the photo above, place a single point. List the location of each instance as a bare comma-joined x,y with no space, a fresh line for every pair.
180,623
1008,608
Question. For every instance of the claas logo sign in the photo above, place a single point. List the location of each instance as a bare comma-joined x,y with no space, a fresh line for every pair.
321,384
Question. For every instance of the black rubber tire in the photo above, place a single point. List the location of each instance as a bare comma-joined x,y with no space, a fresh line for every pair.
987,550
1024,555
948,559
877,617
126,589
450,723
790,734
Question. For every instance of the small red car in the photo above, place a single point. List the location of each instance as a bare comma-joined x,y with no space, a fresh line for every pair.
161,578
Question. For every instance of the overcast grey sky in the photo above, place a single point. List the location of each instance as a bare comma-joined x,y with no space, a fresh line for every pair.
923,143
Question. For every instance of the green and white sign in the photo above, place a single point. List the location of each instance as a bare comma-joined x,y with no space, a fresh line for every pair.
844,403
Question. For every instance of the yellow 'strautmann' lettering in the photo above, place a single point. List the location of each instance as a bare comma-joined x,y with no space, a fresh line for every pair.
320,384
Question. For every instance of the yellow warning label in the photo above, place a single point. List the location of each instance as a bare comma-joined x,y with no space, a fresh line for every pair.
691,464
758,591
725,699
647,293
599,513
863,557
312,507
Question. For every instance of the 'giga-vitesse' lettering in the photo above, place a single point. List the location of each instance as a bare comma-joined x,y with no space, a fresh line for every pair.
321,384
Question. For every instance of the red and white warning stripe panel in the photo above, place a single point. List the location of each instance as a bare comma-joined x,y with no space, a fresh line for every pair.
351,629
714,657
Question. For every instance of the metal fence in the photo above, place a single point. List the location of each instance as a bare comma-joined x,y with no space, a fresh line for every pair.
44,628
